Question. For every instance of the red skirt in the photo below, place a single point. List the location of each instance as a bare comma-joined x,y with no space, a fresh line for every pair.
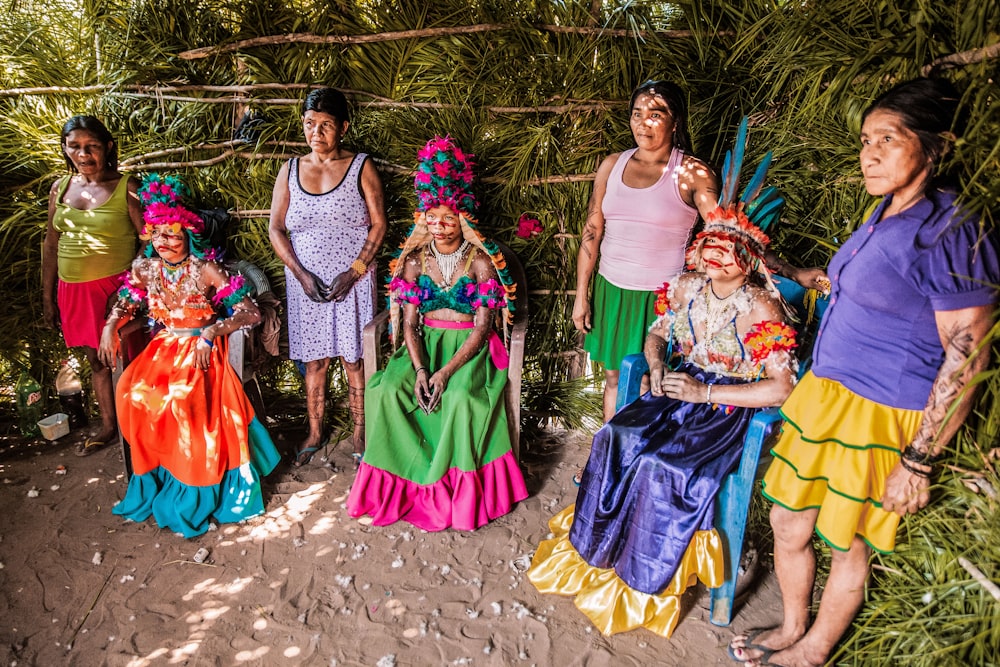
83,309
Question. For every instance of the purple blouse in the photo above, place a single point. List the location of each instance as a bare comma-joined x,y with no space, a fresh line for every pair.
879,337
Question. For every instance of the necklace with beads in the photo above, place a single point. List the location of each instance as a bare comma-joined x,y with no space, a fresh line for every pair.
719,311
172,273
447,263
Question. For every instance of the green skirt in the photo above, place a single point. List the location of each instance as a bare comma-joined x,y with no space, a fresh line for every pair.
621,318
452,468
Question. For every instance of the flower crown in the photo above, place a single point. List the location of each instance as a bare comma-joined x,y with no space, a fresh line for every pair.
162,198
746,220
444,177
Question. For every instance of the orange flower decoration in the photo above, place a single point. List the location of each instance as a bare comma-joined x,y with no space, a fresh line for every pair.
767,337
662,304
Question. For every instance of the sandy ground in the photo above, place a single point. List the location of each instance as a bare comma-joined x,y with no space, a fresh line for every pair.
304,584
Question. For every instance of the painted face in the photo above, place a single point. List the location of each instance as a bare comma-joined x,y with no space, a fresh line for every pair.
652,122
443,224
169,242
87,153
722,258
892,159
323,131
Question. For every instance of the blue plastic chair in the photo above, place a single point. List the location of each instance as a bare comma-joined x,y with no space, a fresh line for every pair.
733,501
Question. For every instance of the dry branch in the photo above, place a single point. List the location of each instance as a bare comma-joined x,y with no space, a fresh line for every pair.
964,58
140,159
980,578
310,38
620,32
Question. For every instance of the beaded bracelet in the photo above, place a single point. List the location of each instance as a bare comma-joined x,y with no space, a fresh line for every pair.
206,342
359,267
910,453
926,474
708,394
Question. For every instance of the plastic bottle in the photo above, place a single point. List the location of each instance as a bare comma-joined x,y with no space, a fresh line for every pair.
29,405
70,392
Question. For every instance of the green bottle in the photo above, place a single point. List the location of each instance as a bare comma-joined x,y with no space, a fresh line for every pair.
29,405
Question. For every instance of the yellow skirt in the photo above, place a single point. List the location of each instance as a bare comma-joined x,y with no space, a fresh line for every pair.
835,452
607,600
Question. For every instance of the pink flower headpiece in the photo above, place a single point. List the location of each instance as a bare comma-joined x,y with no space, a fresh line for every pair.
162,198
444,177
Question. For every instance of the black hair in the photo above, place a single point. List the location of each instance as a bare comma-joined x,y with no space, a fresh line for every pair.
330,101
927,107
96,128
676,103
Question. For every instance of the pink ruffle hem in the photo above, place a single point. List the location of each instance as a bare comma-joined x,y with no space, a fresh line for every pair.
460,500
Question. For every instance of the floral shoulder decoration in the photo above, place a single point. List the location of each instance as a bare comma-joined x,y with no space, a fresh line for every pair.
235,290
767,337
403,292
662,304
129,292
489,294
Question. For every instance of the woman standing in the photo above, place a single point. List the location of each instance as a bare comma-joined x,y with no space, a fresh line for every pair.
644,205
439,453
198,450
90,239
890,381
327,224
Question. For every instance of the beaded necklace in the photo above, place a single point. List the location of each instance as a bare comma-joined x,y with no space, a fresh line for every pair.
447,263
173,273
719,312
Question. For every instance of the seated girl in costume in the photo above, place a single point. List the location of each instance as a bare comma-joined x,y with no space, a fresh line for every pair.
641,530
198,451
438,451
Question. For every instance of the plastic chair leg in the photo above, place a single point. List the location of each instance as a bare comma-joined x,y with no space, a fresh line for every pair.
731,508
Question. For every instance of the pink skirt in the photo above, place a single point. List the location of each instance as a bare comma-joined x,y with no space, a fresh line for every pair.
83,309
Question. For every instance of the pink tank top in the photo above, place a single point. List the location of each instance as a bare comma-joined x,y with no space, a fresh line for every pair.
646,230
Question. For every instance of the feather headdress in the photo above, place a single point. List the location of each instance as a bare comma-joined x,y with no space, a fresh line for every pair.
162,198
746,220
444,175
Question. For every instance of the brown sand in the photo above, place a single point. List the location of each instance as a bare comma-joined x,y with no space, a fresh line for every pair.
303,585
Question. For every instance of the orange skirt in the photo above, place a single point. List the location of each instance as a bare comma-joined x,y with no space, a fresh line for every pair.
192,422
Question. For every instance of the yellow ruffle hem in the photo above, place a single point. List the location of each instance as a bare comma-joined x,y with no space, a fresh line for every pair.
835,452
607,600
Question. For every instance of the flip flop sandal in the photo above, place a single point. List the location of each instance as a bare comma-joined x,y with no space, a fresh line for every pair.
748,644
304,456
91,445
578,477
357,456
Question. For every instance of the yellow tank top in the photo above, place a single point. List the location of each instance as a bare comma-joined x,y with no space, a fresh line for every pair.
97,243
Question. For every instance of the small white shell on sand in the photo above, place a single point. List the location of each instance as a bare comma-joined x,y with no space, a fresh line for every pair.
98,558
32,492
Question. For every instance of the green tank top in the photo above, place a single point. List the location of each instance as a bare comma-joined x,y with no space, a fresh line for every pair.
97,243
